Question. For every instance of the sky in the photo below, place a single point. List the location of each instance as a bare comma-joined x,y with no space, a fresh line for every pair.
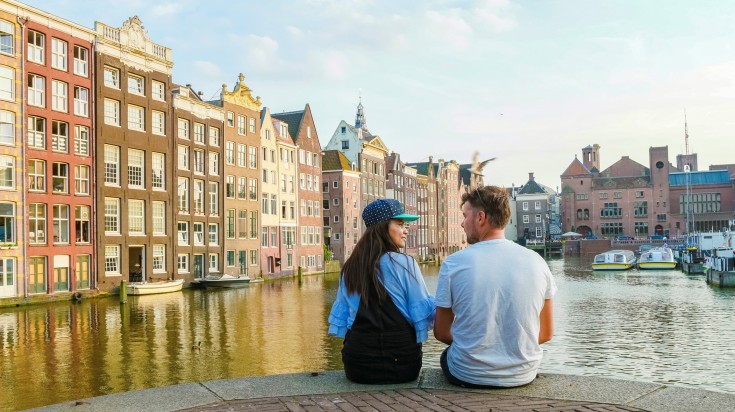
528,82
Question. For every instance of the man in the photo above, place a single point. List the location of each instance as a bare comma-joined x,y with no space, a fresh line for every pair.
493,300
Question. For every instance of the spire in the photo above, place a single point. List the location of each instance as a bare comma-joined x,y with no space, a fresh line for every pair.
360,122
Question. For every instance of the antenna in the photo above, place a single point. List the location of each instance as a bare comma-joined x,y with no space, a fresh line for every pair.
686,135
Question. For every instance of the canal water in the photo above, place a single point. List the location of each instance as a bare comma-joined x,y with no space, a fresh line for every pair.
658,326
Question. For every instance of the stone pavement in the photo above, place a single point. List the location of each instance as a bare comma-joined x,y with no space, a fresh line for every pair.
330,391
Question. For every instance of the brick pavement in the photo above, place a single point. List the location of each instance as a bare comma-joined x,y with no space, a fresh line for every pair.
430,400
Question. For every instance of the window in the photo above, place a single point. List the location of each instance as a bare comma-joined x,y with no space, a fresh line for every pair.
61,223
81,140
264,204
198,228
112,164
159,218
230,255
230,187
253,189
183,194
36,175
199,162
36,47
136,118
526,219
59,50
136,217
641,228
60,177
81,61
240,124
36,131
213,233
538,232
252,124
242,224
264,237
198,196
213,262
639,193
641,210
213,136
603,195
7,127
59,136
230,153
81,179
112,77
213,163
183,233
136,168
112,215
158,122
7,172
7,81
617,195
230,223
159,258
537,205
36,90
7,222
582,196
230,119
537,219
136,85
611,210
253,258
199,133
241,152
525,206
59,94
253,225
253,155
112,260
7,37
37,223
158,91
183,129
112,112
214,198
158,171
183,263
183,157
82,225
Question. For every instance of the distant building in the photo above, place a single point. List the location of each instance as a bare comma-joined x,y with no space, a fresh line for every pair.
288,197
341,197
532,210
401,185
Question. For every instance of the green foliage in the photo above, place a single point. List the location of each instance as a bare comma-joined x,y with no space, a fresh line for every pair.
327,253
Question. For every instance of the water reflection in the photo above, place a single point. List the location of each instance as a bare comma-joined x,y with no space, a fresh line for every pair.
657,326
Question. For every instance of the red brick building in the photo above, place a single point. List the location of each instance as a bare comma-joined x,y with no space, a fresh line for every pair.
340,204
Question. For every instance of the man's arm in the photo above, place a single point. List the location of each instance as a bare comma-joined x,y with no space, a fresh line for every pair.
547,322
443,325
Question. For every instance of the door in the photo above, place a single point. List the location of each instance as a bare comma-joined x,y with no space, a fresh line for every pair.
61,273
198,266
82,272
37,274
7,277
136,264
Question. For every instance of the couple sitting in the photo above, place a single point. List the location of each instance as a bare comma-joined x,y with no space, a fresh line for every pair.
493,301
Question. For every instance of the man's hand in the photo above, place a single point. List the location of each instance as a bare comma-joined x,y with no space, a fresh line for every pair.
443,325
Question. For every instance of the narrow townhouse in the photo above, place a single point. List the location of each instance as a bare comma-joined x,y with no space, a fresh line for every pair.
270,208
422,208
401,185
58,153
134,146
301,127
242,189
532,209
428,171
288,197
13,267
341,197
199,170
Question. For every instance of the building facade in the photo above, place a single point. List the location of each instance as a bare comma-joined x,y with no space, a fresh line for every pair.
288,197
341,197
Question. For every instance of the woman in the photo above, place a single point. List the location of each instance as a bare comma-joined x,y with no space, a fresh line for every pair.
383,309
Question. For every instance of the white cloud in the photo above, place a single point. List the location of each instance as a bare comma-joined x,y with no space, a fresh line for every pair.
259,52
166,9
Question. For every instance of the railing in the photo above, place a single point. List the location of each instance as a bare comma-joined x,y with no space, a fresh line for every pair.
111,33
159,51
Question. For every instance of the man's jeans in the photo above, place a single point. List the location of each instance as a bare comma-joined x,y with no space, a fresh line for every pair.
458,382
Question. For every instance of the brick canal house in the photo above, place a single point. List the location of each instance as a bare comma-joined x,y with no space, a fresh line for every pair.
422,208
341,197
59,156
301,127
12,117
135,184
242,175
427,172
287,196
532,210
270,209
449,213
401,185
199,175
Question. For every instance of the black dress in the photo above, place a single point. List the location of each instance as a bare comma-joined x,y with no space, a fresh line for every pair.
381,347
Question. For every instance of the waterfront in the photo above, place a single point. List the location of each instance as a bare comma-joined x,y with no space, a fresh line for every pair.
663,327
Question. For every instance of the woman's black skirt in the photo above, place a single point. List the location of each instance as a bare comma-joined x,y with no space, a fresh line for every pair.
381,358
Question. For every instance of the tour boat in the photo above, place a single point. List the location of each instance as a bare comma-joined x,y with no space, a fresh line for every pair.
151,288
614,260
657,258
224,281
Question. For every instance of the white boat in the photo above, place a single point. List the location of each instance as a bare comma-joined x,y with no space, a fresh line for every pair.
614,260
224,281
151,288
657,258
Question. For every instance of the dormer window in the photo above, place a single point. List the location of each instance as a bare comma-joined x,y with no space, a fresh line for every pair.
344,129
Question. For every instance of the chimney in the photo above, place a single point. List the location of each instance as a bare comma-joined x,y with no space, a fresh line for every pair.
530,176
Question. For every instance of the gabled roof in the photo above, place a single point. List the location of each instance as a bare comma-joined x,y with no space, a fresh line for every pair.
576,168
704,177
277,131
625,182
335,160
422,168
626,167
465,174
294,121
532,188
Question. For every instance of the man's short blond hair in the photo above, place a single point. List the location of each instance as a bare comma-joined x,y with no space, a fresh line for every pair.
493,200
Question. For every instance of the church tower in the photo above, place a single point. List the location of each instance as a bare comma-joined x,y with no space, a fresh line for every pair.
360,122
591,158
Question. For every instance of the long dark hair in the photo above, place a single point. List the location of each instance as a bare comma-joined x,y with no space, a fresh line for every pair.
361,271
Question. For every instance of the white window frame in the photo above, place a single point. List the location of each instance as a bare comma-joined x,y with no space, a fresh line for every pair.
112,260
7,167
136,84
112,77
36,47
36,132
112,216
7,82
81,179
36,90
7,128
112,165
158,213
136,217
136,118
112,112
81,61
59,54
158,122
158,171
159,258
81,140
183,128
59,136
59,96
158,91
136,169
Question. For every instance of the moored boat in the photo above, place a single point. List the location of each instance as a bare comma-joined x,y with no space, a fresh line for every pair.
614,260
224,281
657,258
151,288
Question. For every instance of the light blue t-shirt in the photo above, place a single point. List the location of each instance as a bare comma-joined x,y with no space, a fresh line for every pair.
403,281
496,290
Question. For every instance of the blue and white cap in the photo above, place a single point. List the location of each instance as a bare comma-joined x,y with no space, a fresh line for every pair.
381,210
